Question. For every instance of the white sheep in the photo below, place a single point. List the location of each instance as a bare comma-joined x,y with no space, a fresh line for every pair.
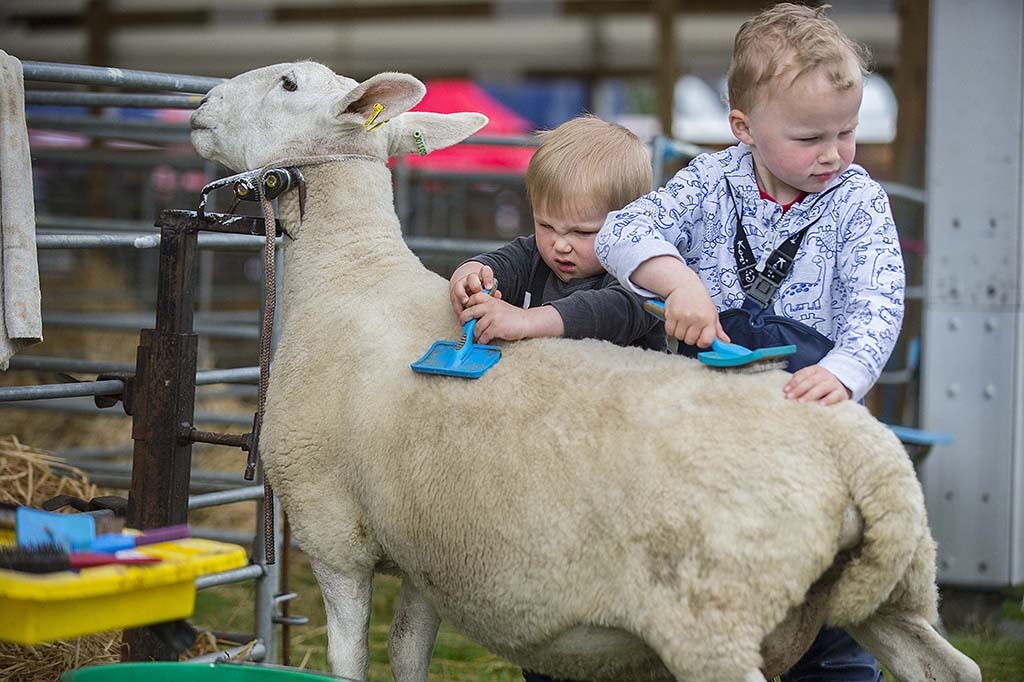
584,510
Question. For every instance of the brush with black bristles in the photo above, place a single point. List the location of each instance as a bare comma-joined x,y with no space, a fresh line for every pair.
51,558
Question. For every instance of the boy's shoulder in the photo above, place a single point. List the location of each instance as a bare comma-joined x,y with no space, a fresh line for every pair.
731,161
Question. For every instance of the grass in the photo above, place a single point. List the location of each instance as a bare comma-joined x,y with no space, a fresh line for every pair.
456,659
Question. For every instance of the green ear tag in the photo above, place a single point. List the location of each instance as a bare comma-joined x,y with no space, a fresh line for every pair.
421,146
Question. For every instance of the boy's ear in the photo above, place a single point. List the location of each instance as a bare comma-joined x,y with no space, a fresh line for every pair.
740,126
421,132
395,92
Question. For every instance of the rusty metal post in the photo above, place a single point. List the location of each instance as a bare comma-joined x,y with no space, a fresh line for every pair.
165,398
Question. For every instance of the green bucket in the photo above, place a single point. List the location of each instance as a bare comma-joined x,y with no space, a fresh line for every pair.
192,672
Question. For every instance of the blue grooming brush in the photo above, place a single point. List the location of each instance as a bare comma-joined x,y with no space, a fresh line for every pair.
459,359
724,354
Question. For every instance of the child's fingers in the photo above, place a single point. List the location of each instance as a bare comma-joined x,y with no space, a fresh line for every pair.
815,392
798,385
480,333
487,277
479,298
471,312
707,335
836,395
473,283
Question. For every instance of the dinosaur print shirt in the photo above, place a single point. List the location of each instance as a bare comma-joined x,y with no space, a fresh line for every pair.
847,281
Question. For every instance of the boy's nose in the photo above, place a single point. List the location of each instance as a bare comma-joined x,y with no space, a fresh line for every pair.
828,154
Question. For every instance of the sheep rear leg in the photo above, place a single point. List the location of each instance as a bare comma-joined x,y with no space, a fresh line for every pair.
912,650
412,636
347,603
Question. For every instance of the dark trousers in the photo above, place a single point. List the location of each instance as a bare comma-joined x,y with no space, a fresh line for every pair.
833,657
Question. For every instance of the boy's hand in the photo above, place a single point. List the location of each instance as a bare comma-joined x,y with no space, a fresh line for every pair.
496,319
815,383
691,317
469,279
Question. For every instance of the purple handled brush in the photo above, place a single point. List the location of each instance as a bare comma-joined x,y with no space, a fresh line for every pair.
114,542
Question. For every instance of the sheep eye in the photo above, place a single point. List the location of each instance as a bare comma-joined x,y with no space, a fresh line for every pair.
289,84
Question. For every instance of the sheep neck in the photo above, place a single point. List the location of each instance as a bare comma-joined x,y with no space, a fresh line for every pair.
349,223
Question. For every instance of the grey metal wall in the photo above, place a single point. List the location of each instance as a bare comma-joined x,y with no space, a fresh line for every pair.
973,356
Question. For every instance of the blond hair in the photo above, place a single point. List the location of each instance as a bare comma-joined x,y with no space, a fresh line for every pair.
790,38
585,165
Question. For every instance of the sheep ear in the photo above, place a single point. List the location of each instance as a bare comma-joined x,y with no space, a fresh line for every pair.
422,132
395,92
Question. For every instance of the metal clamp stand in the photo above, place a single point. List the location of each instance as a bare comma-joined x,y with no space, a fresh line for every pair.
162,398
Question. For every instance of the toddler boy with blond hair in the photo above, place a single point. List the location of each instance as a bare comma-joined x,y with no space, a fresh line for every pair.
779,239
550,283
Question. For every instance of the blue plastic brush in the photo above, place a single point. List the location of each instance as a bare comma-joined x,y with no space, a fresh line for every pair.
724,354
462,359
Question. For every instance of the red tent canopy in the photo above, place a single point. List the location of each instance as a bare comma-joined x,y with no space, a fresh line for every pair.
453,96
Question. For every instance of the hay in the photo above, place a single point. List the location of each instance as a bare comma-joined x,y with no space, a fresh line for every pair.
30,476
47,662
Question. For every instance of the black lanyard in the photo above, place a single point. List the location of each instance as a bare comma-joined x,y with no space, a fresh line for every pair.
761,285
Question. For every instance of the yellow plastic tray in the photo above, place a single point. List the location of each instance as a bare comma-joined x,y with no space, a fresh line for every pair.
46,607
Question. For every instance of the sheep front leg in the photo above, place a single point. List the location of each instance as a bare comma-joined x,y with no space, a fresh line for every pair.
912,651
412,636
347,602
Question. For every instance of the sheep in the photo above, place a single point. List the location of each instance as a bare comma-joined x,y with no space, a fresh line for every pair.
584,510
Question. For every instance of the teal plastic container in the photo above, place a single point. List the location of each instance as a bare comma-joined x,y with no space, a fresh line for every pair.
191,672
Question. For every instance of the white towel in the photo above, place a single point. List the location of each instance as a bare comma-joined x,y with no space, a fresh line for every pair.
21,323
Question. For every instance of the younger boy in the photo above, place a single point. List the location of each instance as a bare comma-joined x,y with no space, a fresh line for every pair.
550,283
782,233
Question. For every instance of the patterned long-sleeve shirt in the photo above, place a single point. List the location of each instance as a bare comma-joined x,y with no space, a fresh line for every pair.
847,280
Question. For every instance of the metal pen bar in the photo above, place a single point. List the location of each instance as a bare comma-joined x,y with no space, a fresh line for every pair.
135,321
498,141
216,242
251,492
111,99
250,572
58,364
237,537
94,453
235,576
42,391
240,242
120,479
53,72
87,406
235,375
121,129
238,375
457,247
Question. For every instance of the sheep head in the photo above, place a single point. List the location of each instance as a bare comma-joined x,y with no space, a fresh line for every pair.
305,109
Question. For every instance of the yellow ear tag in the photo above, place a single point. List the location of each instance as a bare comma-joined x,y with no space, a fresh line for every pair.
421,146
368,123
